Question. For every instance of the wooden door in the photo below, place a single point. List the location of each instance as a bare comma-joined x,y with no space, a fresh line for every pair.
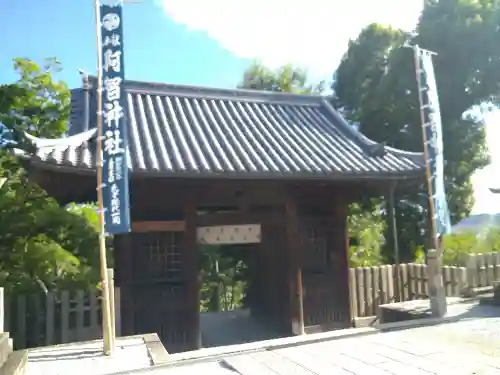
159,289
325,301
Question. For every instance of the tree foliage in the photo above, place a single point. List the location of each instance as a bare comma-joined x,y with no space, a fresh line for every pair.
456,246
36,103
287,78
366,233
42,245
375,87
224,274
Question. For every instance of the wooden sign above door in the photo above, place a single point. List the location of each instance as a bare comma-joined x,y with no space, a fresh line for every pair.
229,234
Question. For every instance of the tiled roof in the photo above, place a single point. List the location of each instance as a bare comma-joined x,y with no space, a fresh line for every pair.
192,131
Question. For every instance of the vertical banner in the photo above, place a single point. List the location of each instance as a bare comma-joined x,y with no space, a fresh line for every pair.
115,140
434,138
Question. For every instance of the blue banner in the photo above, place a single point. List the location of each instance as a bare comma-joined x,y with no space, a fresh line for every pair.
115,140
434,137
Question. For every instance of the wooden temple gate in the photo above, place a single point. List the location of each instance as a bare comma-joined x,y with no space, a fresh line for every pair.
287,162
157,267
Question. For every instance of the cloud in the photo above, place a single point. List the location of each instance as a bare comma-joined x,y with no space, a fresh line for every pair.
489,177
309,33
485,200
493,134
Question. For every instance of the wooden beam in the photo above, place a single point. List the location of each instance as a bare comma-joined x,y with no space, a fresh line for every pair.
229,218
158,226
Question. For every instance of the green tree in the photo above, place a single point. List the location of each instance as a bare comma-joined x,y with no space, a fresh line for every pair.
375,87
224,273
42,245
287,78
366,233
36,103
456,246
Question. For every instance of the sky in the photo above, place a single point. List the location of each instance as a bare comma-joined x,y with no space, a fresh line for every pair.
208,43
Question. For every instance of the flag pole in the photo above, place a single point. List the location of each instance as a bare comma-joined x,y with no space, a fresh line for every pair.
108,340
430,190
437,295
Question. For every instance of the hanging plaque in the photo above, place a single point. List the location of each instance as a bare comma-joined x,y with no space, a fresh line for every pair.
229,234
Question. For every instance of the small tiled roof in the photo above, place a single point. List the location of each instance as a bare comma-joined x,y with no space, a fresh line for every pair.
192,131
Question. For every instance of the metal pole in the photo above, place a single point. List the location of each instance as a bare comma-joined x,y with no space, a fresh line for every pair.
432,209
106,310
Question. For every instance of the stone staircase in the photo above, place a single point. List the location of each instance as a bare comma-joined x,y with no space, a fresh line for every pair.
11,362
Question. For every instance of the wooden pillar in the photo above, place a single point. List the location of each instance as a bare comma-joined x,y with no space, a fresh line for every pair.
341,216
393,240
191,271
294,266
123,265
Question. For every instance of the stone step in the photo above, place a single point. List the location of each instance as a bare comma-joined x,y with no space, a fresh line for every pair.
492,298
5,347
16,364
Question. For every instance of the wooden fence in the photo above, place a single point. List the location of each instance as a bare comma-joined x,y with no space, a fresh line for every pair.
62,317
374,286
56,317
482,269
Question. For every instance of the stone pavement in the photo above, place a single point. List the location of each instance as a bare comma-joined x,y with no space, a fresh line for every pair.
87,358
470,346
466,347
233,328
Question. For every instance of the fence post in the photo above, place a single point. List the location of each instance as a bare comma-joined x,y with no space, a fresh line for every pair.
49,318
117,312
20,335
404,282
352,294
360,285
436,289
368,290
2,311
470,265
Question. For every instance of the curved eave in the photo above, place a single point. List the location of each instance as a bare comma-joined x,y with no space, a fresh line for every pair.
69,168
417,157
65,142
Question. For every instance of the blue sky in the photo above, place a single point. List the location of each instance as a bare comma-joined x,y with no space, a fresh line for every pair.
209,43
158,49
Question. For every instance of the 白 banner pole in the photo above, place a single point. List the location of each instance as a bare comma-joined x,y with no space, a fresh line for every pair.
430,190
430,118
106,308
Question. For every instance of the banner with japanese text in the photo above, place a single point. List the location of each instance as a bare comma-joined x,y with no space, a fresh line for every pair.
434,134
114,141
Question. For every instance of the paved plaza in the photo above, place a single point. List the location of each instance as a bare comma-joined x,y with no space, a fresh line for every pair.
87,358
469,345
466,347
